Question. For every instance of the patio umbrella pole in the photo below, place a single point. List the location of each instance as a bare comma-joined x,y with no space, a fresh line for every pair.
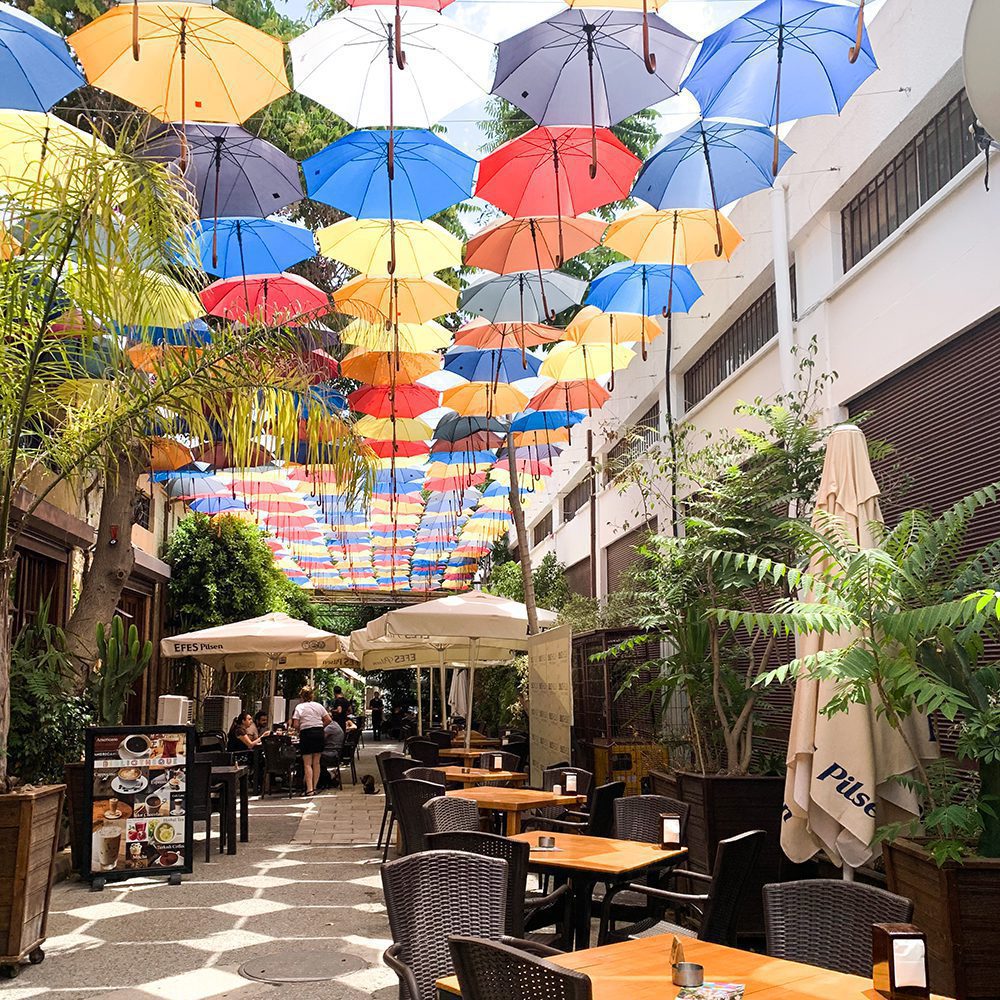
420,707
854,52
473,657
589,29
444,692
430,691
711,184
777,96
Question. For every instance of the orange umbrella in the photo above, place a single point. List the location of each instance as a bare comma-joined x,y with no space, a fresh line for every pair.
167,455
399,300
557,435
387,368
476,399
578,394
591,326
672,236
532,244
485,336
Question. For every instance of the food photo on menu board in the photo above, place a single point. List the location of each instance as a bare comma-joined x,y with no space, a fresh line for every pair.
138,796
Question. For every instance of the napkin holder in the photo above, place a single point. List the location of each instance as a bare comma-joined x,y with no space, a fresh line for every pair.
670,832
899,962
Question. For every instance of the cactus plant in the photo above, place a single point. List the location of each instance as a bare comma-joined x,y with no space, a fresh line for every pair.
121,661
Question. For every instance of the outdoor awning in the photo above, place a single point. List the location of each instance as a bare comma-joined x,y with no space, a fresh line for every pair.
272,635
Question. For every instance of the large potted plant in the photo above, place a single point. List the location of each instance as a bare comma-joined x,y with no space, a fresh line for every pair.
918,611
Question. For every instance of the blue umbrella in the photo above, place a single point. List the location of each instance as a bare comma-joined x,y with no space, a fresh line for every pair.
236,247
36,65
781,61
547,420
462,457
353,174
217,505
649,289
506,365
197,333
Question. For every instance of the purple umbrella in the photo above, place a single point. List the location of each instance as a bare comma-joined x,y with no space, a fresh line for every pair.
584,64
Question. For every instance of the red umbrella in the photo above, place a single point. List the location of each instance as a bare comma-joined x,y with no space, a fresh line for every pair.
480,441
579,394
486,336
279,506
322,366
399,449
299,534
547,172
401,401
512,245
289,520
526,466
271,298
445,484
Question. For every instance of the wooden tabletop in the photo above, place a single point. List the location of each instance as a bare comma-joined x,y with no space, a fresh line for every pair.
515,799
480,775
640,970
601,855
473,753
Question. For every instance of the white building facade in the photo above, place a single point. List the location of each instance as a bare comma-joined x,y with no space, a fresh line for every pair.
893,247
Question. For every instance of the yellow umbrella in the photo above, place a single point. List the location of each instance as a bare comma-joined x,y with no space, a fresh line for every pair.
568,361
152,301
442,470
412,337
371,245
401,506
183,61
672,236
478,399
9,246
40,155
387,368
150,358
400,429
398,300
591,326
526,483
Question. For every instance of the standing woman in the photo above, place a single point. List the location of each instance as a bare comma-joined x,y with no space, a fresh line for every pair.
309,720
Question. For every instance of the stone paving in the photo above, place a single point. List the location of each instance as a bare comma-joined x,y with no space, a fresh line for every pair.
308,879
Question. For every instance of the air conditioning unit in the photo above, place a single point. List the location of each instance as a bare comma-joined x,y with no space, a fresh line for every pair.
277,713
218,712
174,710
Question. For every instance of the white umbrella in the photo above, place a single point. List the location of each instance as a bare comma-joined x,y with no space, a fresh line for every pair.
274,634
839,787
345,63
458,696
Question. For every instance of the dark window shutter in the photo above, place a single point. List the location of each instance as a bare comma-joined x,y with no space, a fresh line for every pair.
621,554
578,578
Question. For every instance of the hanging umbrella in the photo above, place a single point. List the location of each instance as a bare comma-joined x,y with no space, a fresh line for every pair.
647,289
388,368
397,300
182,61
592,326
231,248
590,65
455,428
577,394
188,486
274,299
510,245
710,165
413,248
477,441
222,456
398,449
166,455
36,65
491,366
482,335
644,5
781,61
217,505
414,338
681,236
342,63
400,401
570,362
518,298
547,172
231,173
155,300
400,429
479,398
548,420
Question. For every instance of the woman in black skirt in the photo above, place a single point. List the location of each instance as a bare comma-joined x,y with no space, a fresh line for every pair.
308,720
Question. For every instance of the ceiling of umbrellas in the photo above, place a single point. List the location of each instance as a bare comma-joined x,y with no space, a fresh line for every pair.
450,417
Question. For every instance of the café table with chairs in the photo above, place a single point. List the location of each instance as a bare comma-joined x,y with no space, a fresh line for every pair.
515,802
471,776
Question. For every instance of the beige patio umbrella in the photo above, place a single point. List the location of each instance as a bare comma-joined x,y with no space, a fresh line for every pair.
839,787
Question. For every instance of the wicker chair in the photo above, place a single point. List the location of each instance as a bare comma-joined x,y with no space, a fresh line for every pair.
380,758
491,971
803,918
510,761
599,822
425,774
716,910
445,814
432,896
408,798
425,751
349,751
524,910
280,761
522,750
637,817
393,769
442,738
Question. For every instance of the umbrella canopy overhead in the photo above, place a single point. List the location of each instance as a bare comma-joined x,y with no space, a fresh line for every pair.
510,245
36,65
237,247
270,298
272,634
367,245
522,297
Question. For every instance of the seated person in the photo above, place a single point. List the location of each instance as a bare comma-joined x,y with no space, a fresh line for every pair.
333,742
260,725
243,734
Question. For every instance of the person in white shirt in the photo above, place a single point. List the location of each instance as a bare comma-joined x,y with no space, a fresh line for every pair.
309,720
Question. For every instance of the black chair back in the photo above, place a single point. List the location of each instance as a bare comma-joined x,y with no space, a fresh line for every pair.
522,750
442,738
488,970
394,768
602,809
426,774
802,918
557,776
350,747
408,797
637,817
199,789
211,739
735,859
426,751
450,814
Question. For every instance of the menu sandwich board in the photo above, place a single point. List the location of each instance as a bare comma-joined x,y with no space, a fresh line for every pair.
137,799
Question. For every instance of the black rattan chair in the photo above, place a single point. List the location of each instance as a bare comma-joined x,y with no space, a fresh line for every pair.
432,896
450,814
380,759
524,910
408,798
489,970
425,751
637,817
510,761
803,918
715,911
211,739
442,738
349,751
204,800
425,774
599,822
522,750
393,769
280,761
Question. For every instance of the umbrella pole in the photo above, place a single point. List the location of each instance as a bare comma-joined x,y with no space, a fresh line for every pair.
711,184
648,57
555,164
777,97
671,431
538,264
420,707
589,29
430,694
135,30
855,51
474,655
444,693
183,54
400,54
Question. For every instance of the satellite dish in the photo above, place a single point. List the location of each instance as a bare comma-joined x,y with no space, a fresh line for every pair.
982,65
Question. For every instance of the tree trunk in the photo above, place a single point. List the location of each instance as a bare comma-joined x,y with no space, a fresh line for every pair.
6,644
517,514
110,566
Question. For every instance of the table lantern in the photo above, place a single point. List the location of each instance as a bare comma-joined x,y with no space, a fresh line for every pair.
497,762
570,781
670,831
899,962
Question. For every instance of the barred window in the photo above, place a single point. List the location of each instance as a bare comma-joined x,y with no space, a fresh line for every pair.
636,440
542,530
941,150
142,510
577,497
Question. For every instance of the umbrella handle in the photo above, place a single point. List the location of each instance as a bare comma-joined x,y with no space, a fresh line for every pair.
855,50
649,58
400,54
593,154
718,232
135,30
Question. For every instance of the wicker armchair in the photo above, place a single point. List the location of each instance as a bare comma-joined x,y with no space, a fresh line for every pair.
425,751
432,896
442,738
450,815
380,759
804,918
408,798
425,774
349,751
394,768
488,970
599,822
716,910
524,911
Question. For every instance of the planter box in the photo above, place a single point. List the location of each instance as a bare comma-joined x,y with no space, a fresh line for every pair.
722,806
29,832
957,907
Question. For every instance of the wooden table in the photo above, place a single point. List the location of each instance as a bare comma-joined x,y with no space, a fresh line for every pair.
589,860
514,801
640,970
481,776
460,753
234,777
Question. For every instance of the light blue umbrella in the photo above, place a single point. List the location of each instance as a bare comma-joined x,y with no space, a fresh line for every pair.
649,289
36,65
546,420
217,505
235,247
783,60
505,365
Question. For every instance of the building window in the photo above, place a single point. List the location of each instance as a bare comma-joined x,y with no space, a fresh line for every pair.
577,497
636,440
542,530
748,334
142,510
932,158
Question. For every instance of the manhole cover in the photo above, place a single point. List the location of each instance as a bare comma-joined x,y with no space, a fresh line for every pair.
301,966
